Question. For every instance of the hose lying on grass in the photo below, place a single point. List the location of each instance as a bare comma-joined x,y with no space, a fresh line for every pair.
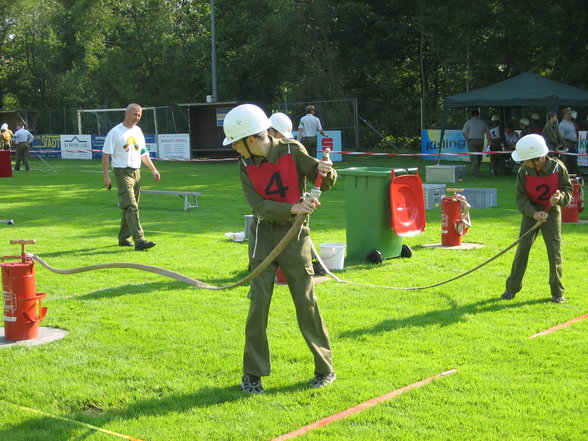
293,231
537,225
300,219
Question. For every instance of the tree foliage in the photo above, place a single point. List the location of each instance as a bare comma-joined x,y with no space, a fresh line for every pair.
400,59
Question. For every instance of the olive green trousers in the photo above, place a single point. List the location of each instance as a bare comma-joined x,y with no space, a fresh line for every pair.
296,264
128,183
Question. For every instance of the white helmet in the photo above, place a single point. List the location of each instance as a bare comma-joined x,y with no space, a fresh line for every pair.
282,123
535,116
4,126
530,147
525,121
574,114
243,121
495,118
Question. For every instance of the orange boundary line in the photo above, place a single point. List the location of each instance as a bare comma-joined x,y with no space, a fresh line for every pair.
562,325
360,407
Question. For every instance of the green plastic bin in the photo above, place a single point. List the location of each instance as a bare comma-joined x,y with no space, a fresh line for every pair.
367,197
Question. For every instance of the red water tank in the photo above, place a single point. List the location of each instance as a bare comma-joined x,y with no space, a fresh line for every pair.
22,304
453,222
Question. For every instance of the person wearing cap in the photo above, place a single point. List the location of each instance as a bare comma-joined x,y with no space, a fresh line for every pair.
569,135
553,138
524,126
125,146
273,174
543,186
6,138
281,126
497,144
308,128
474,130
535,126
23,142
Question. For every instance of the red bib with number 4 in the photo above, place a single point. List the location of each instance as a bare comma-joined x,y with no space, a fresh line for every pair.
541,188
277,182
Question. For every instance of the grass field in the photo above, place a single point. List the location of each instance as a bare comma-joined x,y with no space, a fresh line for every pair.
151,358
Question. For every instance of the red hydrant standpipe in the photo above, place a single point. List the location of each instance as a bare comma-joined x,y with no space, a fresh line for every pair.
454,224
22,304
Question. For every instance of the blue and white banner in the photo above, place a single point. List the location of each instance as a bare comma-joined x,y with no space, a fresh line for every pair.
453,142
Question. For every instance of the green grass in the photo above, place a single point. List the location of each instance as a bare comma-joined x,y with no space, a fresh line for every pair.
155,359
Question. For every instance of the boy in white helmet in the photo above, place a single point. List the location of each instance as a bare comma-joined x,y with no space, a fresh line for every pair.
281,126
542,182
273,174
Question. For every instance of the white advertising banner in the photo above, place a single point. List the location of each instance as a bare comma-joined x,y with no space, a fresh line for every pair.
174,146
76,146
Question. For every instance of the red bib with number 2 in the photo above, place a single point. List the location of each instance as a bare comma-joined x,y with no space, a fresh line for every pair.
541,188
277,182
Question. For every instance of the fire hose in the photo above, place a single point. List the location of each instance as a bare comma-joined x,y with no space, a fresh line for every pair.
290,234
293,231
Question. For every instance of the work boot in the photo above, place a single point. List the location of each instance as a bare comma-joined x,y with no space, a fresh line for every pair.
251,384
144,245
507,295
558,299
126,243
321,380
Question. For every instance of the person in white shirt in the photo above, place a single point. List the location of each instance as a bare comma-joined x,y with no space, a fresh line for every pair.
125,145
308,128
23,142
567,130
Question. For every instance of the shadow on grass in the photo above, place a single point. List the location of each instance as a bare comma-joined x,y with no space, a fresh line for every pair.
442,317
47,427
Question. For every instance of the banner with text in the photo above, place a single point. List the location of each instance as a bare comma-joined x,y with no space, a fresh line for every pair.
174,146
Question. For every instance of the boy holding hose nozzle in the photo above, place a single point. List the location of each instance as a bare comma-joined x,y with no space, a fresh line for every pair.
543,186
273,175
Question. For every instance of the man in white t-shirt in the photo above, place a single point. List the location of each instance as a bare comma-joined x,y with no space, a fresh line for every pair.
308,128
125,145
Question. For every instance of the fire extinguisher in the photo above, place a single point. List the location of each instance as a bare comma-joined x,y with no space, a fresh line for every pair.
455,218
22,304
569,213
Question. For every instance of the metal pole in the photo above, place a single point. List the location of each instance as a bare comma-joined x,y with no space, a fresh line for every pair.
213,51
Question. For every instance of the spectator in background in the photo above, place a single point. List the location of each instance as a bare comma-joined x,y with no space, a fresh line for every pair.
511,140
308,128
6,138
23,141
497,144
524,126
125,143
575,122
474,130
535,126
567,131
553,138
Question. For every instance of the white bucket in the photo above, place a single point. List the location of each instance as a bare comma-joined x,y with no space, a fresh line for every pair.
333,255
